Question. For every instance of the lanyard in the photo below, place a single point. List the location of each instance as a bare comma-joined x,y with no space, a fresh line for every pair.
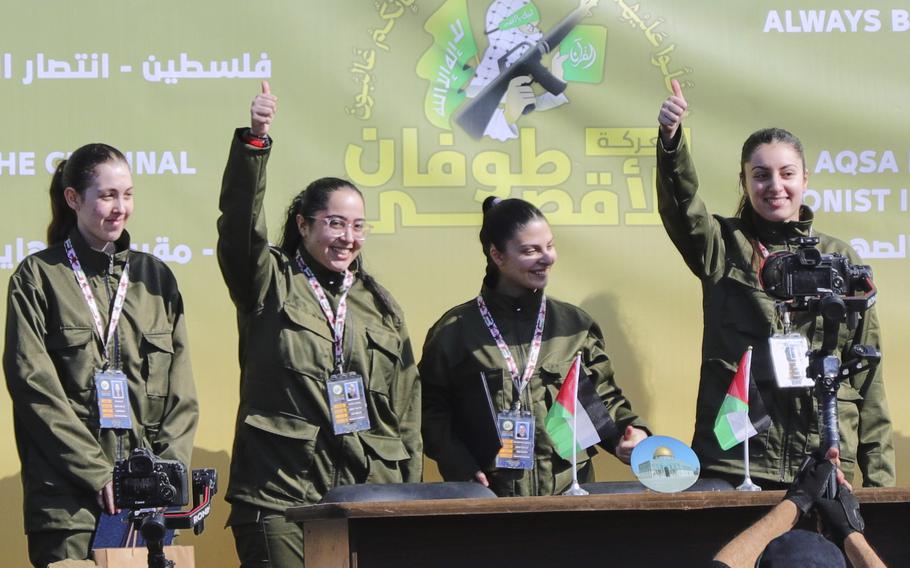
90,297
335,320
520,380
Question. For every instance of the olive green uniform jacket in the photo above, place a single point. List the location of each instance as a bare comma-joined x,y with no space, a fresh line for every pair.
720,251
51,355
458,428
285,452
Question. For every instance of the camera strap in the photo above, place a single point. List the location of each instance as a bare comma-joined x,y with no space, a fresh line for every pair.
336,319
520,380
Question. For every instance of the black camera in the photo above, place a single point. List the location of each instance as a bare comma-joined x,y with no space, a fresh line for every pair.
807,273
143,480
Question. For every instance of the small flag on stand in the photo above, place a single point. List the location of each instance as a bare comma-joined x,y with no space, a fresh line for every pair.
576,427
740,417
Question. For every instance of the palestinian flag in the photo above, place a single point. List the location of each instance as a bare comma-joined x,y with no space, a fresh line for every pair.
578,418
736,420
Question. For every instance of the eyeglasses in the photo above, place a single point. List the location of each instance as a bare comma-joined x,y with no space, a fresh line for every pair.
338,226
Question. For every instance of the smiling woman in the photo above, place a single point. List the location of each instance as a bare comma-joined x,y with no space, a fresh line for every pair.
328,384
726,253
70,363
474,390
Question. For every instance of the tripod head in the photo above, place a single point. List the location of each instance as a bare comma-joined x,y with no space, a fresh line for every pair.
153,523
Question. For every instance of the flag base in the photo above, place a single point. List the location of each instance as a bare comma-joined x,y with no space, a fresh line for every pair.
747,485
575,489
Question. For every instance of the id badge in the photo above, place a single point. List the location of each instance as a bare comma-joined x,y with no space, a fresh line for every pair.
113,400
347,400
516,432
790,358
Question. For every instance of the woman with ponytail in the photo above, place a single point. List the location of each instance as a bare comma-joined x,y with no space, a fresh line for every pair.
91,324
495,364
328,384
726,253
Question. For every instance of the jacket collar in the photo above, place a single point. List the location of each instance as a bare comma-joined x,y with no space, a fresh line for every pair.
89,257
527,303
778,233
328,278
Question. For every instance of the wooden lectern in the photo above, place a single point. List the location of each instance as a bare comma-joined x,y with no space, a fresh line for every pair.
643,529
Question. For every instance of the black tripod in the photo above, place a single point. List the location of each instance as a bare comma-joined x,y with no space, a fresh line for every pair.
152,527
826,368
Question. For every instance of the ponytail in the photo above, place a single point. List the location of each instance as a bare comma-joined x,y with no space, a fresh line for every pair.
63,218
387,304
291,238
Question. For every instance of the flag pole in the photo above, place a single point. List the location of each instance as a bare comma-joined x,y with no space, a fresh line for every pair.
747,484
575,489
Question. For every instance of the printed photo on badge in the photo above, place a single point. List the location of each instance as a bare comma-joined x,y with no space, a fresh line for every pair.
351,392
521,430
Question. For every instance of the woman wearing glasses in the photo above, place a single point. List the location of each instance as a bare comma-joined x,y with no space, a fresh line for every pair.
328,387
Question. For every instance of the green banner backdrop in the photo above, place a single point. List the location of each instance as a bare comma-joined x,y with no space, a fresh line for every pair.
396,95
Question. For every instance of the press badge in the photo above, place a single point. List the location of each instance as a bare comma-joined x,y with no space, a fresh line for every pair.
113,400
790,358
347,400
516,432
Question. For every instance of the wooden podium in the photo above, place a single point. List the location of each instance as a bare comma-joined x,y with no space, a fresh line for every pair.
641,529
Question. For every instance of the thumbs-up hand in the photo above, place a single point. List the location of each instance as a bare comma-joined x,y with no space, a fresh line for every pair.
263,110
630,438
671,113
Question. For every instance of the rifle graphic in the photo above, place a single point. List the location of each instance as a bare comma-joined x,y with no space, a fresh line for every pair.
477,112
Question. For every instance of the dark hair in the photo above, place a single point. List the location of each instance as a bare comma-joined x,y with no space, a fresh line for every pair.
756,139
502,219
308,203
78,172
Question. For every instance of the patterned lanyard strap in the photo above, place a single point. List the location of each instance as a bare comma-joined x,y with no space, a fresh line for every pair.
520,380
336,320
116,311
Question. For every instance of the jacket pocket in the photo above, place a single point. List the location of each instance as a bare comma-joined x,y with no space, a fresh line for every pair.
157,351
305,341
746,308
275,452
383,454
552,376
73,354
383,348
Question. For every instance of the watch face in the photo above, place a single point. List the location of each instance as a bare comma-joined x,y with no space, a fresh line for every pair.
665,464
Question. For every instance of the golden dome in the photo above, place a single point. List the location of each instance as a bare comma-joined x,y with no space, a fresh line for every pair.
663,452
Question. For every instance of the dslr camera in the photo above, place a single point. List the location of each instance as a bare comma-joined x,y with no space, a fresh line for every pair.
143,480
806,274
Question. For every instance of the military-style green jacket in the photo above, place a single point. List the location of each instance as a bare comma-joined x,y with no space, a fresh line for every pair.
285,452
458,427
721,252
52,352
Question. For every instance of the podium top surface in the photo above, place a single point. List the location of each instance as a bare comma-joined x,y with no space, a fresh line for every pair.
647,501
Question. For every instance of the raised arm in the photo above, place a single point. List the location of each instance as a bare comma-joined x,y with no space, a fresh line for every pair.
243,246
687,221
